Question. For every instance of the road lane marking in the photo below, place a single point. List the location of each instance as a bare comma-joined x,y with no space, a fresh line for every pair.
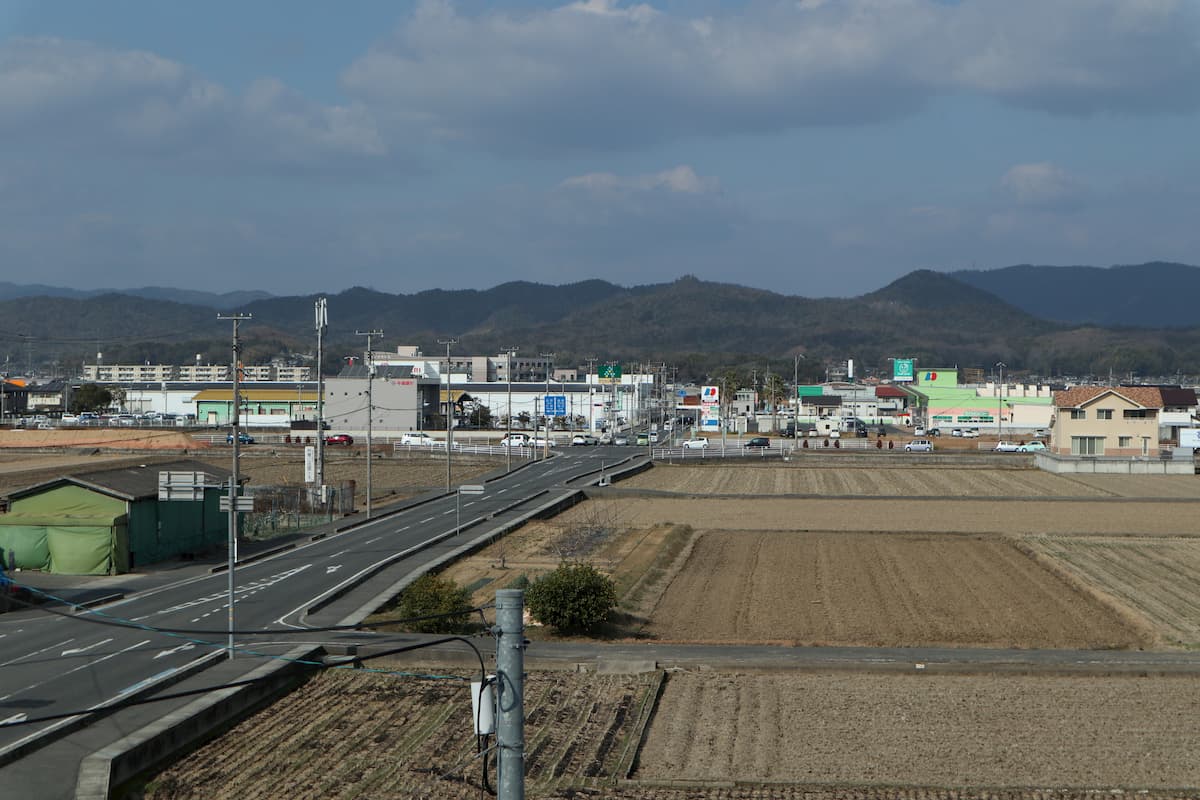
429,519
77,650
38,652
332,569
376,539
88,665
173,650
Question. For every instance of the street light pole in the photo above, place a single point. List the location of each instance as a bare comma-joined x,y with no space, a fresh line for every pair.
370,411
449,409
545,413
322,321
509,351
1000,402
234,478
796,399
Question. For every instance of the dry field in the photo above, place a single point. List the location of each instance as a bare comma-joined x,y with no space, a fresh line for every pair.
351,734
882,591
925,730
815,736
1159,577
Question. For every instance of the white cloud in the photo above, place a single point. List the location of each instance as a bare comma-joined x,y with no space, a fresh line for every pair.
601,75
76,94
1041,183
681,179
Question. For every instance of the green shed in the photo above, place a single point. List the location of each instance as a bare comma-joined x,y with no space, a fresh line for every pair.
111,521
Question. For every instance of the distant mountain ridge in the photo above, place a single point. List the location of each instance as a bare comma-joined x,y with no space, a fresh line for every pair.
701,326
223,302
1158,294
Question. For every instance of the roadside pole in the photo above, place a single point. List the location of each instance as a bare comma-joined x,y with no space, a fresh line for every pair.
234,480
510,695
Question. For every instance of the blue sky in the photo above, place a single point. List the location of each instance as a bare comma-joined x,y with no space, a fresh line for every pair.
814,147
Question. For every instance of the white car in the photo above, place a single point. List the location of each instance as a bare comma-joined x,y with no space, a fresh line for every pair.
835,434
919,430
919,446
420,439
515,440
582,439
970,433
1006,447
695,444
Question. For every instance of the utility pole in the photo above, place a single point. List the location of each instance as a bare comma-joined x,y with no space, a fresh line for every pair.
322,322
510,694
234,478
796,399
509,351
370,408
591,362
449,409
1000,402
545,412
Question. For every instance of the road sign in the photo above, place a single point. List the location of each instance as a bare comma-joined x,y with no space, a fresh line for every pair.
609,371
556,405
187,486
470,488
244,504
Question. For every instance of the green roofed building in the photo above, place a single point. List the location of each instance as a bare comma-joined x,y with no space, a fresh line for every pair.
980,406
111,521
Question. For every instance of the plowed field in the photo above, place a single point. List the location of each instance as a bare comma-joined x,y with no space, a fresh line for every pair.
349,734
925,730
1160,577
866,481
872,590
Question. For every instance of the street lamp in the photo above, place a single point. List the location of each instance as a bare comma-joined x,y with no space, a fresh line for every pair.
370,409
449,409
796,398
1000,402
545,414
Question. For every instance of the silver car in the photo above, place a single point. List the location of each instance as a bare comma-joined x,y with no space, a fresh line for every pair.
919,446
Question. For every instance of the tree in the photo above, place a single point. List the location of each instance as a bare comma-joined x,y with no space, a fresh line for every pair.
574,598
90,397
480,416
430,595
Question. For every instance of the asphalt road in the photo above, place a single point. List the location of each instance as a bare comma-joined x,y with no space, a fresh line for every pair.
56,664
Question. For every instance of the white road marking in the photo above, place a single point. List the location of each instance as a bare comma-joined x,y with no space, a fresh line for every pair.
332,569
339,553
88,665
14,718
173,650
469,504
449,511
77,650
38,652
429,519
376,539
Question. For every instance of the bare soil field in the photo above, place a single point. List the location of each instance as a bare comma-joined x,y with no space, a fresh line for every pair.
840,736
147,439
1053,517
352,734
832,481
1159,577
883,591
925,730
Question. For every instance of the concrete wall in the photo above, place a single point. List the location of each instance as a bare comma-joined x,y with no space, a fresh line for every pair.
1113,466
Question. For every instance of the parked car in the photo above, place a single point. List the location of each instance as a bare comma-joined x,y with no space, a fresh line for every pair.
1006,447
919,446
970,433
695,444
515,440
1032,447
340,438
243,438
956,432
1041,433
759,441
919,430
583,439
934,432
420,438
835,434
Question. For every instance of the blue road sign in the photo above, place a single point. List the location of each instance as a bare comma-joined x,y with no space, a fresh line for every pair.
556,405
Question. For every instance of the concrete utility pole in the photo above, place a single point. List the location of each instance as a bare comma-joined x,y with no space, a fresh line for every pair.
449,409
509,351
234,478
591,362
1000,402
796,399
322,320
370,408
510,694
545,413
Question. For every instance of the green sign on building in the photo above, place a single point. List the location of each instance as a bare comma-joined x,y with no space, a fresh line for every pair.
609,371
902,369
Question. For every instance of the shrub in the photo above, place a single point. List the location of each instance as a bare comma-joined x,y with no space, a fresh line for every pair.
574,598
432,594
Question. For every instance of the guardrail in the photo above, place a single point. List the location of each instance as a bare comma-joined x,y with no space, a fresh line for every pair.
778,448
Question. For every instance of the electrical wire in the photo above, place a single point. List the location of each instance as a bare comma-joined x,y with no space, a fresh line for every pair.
138,701
97,617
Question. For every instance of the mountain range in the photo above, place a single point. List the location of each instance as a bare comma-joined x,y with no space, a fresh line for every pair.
1047,320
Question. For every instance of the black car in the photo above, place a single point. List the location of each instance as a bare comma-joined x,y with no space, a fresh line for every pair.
243,438
759,441
934,432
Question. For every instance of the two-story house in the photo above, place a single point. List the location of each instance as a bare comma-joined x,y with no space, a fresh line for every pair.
1117,422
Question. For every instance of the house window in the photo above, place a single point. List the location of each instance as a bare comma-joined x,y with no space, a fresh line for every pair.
1078,413
1139,413
1125,442
1087,445
1103,413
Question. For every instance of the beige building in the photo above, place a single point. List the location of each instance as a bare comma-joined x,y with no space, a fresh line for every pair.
1118,422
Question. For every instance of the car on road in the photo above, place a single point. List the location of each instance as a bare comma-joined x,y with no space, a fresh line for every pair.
919,430
643,439
1032,447
956,432
919,446
583,440
970,433
653,437
695,444
758,441
419,439
620,440
835,434
1006,447
934,432
243,438
340,438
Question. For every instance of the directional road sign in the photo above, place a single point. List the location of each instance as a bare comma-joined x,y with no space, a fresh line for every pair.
556,405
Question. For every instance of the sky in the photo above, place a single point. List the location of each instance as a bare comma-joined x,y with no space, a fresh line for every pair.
812,147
